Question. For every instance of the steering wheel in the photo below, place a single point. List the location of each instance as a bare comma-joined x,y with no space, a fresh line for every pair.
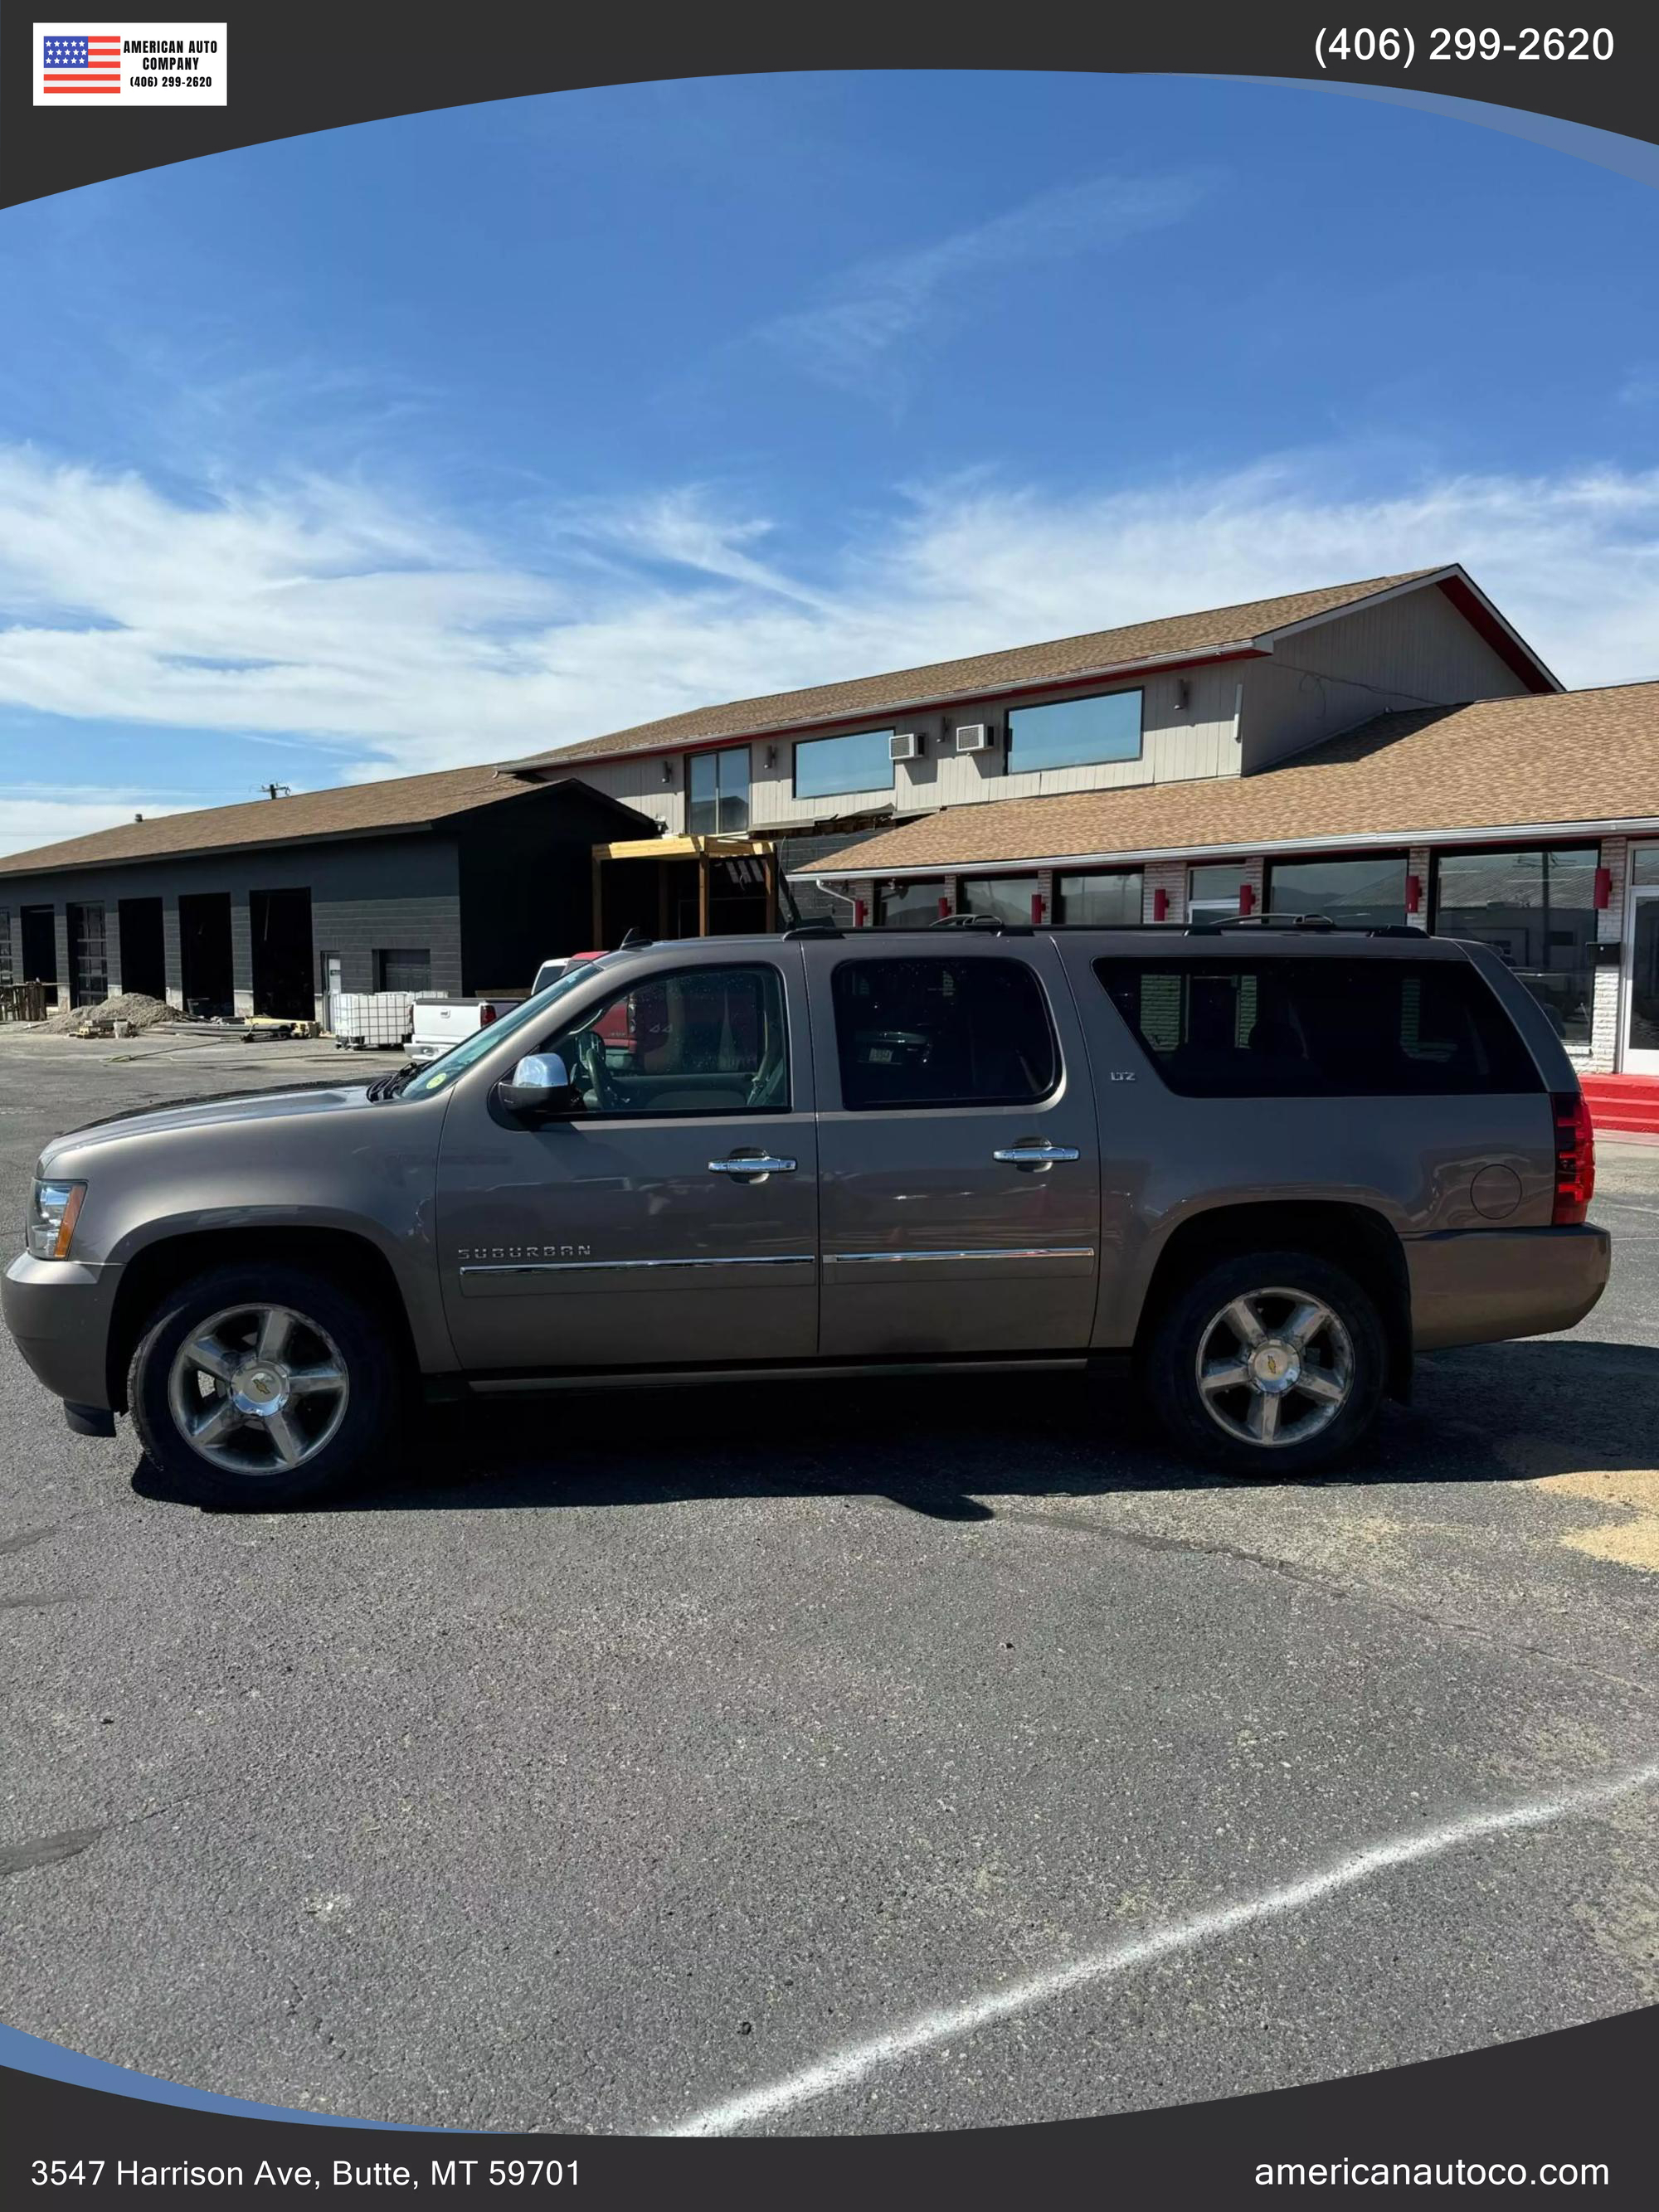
595,1074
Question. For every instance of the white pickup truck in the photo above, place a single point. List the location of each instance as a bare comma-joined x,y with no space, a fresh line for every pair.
441,1022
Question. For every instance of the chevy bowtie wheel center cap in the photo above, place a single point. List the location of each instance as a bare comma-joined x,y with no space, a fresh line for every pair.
1274,1367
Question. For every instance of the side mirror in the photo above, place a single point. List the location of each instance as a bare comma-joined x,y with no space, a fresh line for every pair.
540,1088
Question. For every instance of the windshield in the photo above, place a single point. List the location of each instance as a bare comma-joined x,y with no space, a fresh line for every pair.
460,1057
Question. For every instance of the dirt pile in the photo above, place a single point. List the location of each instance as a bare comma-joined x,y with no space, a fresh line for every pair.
143,1012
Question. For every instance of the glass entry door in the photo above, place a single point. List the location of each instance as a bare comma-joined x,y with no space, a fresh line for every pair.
1642,1013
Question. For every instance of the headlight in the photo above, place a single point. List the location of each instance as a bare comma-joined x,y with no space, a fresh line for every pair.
53,1208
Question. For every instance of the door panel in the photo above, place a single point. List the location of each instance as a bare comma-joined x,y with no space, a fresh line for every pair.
935,1241
1642,1031
620,1239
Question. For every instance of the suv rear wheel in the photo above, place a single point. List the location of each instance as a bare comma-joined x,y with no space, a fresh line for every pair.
256,1388
1269,1365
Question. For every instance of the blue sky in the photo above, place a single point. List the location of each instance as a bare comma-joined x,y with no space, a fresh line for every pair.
453,437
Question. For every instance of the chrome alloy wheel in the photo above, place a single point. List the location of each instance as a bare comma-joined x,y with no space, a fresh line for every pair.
1274,1367
258,1390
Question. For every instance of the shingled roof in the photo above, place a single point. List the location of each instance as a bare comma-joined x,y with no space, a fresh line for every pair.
1240,629
1556,758
401,802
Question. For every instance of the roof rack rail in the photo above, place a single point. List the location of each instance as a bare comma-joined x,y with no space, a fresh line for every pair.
816,924
982,921
1314,921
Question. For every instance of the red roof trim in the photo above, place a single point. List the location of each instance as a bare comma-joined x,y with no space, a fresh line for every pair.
1502,639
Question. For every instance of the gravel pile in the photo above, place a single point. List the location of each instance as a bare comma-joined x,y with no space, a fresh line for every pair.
134,1006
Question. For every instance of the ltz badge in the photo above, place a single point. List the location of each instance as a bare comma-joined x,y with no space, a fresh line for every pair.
93,64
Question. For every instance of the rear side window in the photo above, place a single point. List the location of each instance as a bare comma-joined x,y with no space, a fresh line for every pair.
1320,1028
935,1031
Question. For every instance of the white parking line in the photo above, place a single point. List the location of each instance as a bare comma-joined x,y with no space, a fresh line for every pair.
860,2060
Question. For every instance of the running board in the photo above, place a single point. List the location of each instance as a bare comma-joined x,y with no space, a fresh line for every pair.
673,1377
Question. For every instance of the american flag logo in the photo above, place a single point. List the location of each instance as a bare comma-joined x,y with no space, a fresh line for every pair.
91,63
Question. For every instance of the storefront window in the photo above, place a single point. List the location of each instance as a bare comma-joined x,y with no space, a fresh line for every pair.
911,905
1368,894
1644,864
1105,902
1008,898
1212,890
1537,911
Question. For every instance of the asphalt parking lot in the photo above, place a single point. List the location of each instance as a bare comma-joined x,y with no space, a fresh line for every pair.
887,1756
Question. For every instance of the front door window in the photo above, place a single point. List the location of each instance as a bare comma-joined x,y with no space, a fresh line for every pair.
694,1041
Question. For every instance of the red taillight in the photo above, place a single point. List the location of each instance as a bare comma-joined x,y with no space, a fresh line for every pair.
1575,1157
486,1015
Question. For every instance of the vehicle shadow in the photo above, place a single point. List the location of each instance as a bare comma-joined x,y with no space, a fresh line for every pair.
949,1447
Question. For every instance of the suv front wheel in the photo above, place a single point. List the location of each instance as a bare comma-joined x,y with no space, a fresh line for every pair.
260,1387
1269,1365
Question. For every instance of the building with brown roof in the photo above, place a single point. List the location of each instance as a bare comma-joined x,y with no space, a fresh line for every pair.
458,882
1388,751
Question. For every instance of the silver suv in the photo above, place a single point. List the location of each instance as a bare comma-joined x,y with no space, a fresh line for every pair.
1269,1163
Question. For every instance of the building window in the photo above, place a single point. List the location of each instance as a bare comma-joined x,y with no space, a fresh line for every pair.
911,905
935,1031
1008,898
1212,890
1537,911
1368,894
1319,1029
1075,732
1103,902
403,971
1644,864
825,766
718,791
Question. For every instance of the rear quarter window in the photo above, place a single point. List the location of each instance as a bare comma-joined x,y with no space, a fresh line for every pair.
1320,1028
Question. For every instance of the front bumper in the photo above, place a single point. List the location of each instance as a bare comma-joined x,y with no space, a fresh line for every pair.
58,1311
1482,1286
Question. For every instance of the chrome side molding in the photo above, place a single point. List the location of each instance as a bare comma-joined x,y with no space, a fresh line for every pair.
629,1266
997,1252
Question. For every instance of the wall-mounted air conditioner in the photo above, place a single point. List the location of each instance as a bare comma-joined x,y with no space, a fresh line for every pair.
904,745
975,738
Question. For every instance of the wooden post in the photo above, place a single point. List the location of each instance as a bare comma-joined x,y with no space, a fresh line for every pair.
770,864
702,892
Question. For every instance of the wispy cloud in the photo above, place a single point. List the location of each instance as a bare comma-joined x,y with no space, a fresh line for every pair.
376,639
849,337
36,814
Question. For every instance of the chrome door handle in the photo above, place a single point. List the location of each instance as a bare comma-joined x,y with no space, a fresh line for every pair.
1036,1156
752,1164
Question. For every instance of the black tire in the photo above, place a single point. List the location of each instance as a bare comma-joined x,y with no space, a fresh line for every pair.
1353,1355
352,1327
